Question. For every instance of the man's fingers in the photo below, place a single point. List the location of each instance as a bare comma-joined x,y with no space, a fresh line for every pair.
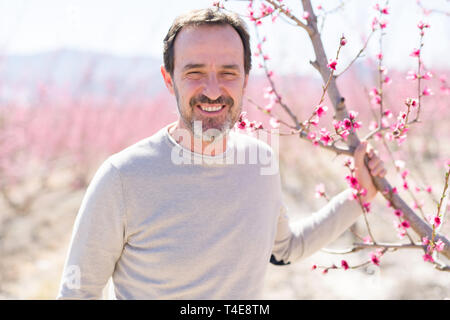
360,151
375,161
378,170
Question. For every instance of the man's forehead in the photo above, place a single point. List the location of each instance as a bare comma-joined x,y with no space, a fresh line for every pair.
209,42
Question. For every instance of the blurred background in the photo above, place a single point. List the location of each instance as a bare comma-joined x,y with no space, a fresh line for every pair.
80,80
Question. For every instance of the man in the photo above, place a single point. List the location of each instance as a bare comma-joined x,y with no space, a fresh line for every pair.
176,216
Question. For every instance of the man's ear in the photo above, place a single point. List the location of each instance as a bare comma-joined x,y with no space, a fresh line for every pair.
167,79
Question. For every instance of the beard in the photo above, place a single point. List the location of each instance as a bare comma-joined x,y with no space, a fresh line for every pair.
209,128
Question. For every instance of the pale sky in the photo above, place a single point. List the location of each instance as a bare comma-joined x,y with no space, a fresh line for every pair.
137,27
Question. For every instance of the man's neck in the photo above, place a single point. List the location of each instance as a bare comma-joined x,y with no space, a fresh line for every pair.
184,137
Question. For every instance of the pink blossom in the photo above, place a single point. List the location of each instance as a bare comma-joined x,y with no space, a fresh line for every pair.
321,110
374,258
383,24
305,15
367,240
325,136
429,189
387,80
337,124
311,135
319,7
405,185
347,123
366,206
380,56
357,124
352,114
398,213
374,92
437,222
439,245
314,121
314,267
352,181
373,125
427,257
349,162
363,191
320,190
401,139
427,76
387,113
401,233
332,64
344,264
425,241
411,75
275,123
274,17
268,107
344,134
343,41
376,100
405,224
374,23
421,25
242,124
268,92
259,47
427,92
415,53
405,173
385,10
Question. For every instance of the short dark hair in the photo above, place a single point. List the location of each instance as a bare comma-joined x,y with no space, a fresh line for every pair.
208,16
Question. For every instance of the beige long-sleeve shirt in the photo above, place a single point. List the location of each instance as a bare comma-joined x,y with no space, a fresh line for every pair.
166,223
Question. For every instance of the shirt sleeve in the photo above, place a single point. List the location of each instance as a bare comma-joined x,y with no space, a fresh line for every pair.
296,241
97,239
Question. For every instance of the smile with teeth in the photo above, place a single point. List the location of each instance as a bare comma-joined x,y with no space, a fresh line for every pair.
211,109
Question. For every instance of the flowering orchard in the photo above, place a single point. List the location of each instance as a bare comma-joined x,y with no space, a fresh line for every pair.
403,115
68,133
389,128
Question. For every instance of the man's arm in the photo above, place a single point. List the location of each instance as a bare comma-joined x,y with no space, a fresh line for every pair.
298,240
98,237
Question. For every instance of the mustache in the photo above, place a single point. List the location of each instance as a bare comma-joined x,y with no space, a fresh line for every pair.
204,99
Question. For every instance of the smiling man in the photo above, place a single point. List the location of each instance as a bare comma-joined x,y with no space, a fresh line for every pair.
201,228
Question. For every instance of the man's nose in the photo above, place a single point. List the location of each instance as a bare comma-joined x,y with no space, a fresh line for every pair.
212,88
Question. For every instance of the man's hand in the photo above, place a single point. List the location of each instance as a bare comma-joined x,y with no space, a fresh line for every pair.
376,167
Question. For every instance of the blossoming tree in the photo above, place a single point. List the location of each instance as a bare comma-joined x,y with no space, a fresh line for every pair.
346,124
